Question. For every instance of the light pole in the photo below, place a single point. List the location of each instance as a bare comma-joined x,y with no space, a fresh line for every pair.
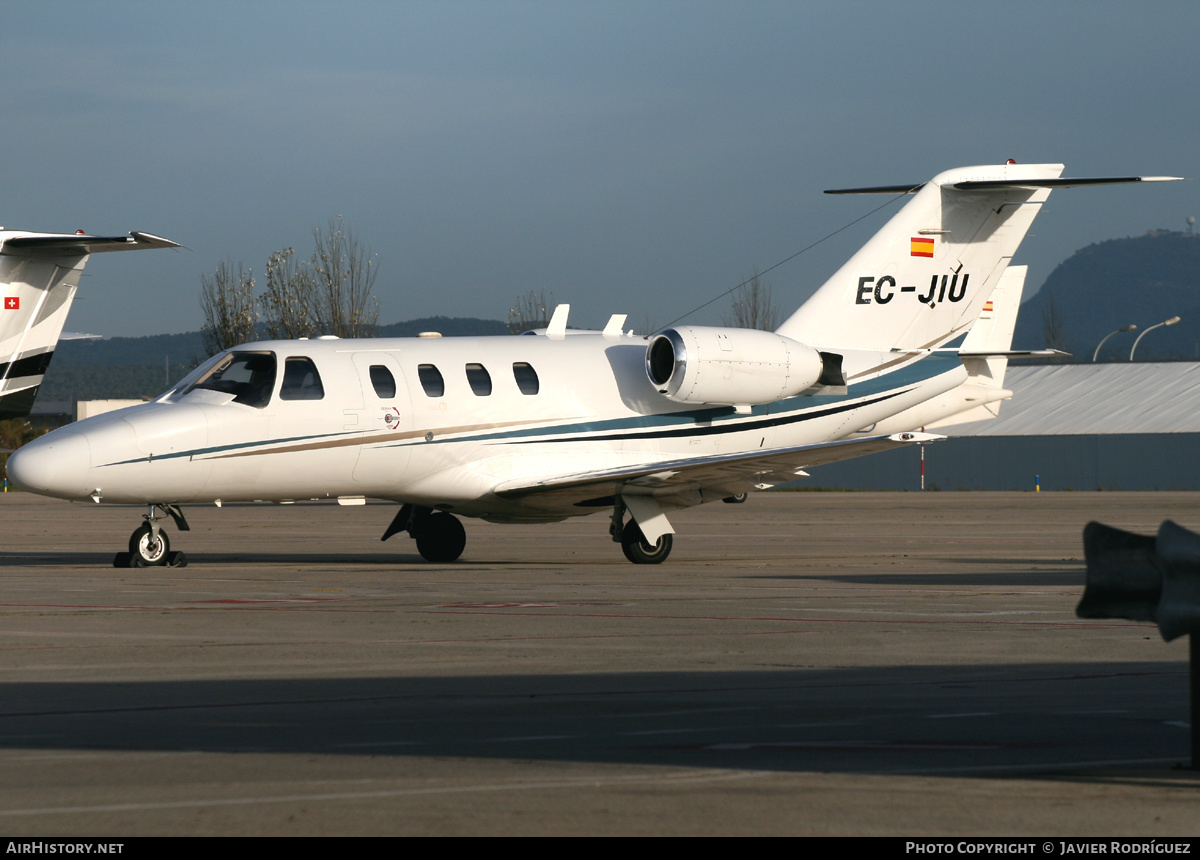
1130,327
1171,321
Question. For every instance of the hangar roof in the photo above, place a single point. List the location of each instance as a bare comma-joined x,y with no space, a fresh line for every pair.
1084,399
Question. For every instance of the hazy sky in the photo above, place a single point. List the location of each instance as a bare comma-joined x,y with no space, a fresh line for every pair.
634,157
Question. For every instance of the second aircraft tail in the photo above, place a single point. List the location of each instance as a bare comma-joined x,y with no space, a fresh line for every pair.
39,274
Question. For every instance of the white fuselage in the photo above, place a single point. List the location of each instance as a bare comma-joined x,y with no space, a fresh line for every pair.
594,409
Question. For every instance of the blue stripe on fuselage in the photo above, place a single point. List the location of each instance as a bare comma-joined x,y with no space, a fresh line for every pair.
723,419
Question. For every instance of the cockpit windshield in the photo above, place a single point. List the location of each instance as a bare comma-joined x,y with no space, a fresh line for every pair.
248,376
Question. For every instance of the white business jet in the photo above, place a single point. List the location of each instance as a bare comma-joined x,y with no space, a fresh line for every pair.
558,424
39,274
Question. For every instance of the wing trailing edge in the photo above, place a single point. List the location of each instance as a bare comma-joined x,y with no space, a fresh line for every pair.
673,476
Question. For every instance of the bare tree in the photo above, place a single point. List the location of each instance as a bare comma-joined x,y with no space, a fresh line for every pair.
289,300
227,299
343,273
330,293
753,306
531,311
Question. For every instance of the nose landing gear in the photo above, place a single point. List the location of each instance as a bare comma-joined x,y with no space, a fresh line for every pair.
149,545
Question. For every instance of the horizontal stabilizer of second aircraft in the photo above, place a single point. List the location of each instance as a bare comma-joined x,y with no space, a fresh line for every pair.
82,243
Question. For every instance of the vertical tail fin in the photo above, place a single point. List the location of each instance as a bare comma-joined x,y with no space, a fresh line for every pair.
925,276
39,274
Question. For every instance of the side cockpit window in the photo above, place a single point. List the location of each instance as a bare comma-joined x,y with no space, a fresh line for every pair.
248,376
383,382
526,376
431,380
301,381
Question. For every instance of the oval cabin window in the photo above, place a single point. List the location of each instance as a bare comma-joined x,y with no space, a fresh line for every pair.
431,380
383,382
526,376
480,379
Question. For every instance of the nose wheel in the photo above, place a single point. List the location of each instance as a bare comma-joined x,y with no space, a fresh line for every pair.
148,548
149,545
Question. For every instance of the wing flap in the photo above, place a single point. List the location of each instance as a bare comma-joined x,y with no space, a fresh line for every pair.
718,471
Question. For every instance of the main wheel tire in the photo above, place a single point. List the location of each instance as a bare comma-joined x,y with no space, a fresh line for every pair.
441,539
739,499
147,552
639,550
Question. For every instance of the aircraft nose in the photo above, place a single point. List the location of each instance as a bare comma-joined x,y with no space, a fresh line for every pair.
54,465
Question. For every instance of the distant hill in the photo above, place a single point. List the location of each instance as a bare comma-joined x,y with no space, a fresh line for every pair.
1108,285
185,347
132,367
448,326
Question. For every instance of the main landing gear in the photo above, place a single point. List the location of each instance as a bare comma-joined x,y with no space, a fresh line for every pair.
440,537
633,542
639,550
149,545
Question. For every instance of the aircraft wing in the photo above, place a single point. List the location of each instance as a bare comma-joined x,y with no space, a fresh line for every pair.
728,473
81,243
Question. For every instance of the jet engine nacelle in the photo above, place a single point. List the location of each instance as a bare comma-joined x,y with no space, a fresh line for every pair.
730,366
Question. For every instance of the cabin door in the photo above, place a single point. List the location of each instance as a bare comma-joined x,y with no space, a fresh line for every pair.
386,422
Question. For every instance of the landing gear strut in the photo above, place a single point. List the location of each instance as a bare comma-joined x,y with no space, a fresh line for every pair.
149,545
440,537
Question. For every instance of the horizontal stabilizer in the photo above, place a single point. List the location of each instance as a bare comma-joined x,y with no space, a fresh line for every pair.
1079,182
994,184
878,189
82,243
